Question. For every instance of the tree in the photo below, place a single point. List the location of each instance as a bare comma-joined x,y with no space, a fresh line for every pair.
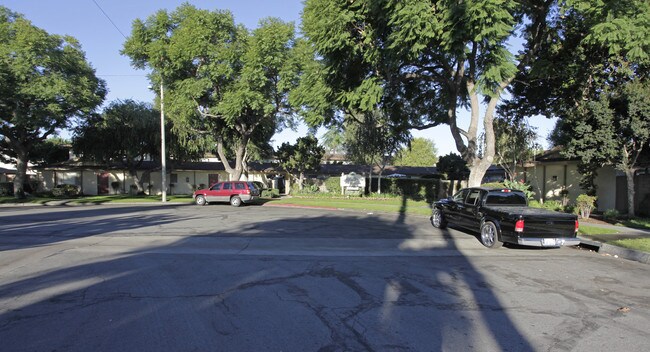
221,81
514,144
453,167
591,75
420,62
372,141
124,134
303,156
616,130
334,140
45,81
420,152
53,150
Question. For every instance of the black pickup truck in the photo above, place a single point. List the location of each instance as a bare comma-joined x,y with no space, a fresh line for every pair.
503,215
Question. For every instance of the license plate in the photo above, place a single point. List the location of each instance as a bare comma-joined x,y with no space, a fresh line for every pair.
548,242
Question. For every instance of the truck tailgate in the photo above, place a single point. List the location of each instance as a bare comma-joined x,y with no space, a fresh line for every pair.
544,223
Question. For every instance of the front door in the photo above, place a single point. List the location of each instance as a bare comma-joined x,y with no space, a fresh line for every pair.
212,179
102,183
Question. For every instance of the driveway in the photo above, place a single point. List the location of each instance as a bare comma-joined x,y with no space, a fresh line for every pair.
218,278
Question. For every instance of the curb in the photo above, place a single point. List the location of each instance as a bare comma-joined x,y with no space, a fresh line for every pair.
618,252
625,253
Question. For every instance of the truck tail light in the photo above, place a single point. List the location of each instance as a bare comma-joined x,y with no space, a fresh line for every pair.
577,226
519,226
247,191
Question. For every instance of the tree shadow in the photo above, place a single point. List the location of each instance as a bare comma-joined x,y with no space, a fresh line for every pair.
294,280
22,228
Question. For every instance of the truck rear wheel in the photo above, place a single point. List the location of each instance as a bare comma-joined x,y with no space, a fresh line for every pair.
489,236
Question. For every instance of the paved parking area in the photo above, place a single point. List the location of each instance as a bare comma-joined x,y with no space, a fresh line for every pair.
188,278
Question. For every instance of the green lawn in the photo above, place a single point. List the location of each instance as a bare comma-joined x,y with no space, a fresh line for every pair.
594,230
640,244
389,205
639,223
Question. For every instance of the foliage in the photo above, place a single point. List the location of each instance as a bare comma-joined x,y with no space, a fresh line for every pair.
66,190
52,151
494,185
333,185
224,85
416,189
515,143
125,134
6,188
420,62
333,140
420,152
553,205
370,139
520,186
611,215
45,81
584,205
453,167
303,156
593,75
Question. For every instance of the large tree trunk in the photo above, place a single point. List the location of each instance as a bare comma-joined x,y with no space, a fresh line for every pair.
234,172
629,174
21,173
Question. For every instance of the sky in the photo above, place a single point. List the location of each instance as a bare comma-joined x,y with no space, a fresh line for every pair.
101,26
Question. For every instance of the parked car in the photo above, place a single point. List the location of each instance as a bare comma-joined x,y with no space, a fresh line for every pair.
503,216
235,192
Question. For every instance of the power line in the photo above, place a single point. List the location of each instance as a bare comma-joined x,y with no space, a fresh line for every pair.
109,19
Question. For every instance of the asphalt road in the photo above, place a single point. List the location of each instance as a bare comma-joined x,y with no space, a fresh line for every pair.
217,278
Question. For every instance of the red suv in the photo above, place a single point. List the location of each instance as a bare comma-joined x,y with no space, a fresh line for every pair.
235,192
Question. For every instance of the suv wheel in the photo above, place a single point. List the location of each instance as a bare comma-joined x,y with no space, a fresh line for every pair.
200,200
235,201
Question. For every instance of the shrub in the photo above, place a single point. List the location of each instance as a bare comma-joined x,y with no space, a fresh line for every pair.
333,185
521,187
412,188
584,205
65,190
549,205
6,188
494,185
270,193
611,215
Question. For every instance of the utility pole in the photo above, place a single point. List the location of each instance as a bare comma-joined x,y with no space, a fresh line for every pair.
163,158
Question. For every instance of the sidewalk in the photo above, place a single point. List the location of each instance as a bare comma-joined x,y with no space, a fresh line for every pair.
599,241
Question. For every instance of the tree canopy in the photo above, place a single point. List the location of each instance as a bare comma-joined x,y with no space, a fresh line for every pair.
593,75
45,81
420,62
305,155
125,134
418,152
224,84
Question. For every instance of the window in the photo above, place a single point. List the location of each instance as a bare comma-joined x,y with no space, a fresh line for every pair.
239,185
474,196
227,186
173,178
460,196
216,187
506,198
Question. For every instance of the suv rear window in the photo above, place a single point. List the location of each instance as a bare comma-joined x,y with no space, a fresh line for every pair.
239,185
505,198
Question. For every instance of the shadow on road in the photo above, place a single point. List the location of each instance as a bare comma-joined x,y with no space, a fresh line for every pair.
255,287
